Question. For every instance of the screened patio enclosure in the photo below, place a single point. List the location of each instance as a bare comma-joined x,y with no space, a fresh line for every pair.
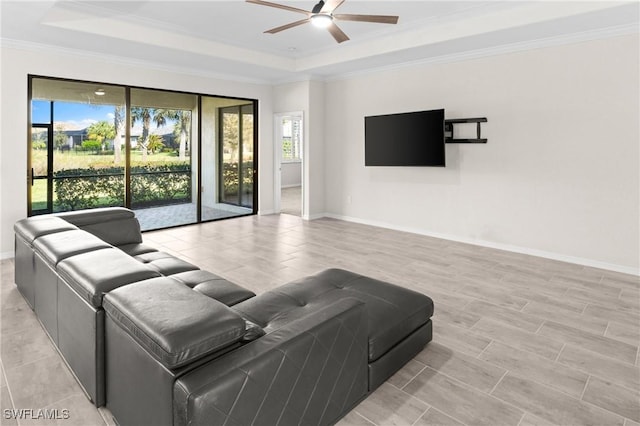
175,158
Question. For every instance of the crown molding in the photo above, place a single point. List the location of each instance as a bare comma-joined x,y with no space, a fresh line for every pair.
299,76
126,61
540,43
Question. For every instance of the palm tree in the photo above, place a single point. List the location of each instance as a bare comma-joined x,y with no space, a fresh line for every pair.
101,131
118,123
181,128
155,144
144,115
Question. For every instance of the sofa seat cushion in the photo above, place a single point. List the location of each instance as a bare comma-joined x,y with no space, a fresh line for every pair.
393,312
165,263
94,273
57,247
214,286
33,227
175,324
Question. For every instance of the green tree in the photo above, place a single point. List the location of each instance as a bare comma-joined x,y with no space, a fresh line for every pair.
91,145
101,131
144,115
181,127
118,125
231,135
155,143
59,136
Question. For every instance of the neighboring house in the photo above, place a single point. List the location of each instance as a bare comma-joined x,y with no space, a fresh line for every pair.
76,137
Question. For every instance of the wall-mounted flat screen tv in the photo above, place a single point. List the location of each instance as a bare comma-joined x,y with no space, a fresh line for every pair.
407,139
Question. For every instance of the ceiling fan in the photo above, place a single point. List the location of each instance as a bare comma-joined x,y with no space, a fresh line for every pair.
322,16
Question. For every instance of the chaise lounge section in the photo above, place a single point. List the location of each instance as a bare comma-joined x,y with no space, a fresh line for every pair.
159,341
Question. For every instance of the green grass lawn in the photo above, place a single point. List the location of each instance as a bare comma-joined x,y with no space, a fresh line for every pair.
82,160
65,160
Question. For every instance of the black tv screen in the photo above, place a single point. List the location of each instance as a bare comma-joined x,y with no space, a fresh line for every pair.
407,139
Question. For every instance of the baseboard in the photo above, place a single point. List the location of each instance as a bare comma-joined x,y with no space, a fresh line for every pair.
7,255
490,244
315,216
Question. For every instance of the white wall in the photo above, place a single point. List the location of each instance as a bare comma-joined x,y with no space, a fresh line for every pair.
559,176
291,174
17,63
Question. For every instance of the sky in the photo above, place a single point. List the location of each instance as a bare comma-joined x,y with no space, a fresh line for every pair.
78,116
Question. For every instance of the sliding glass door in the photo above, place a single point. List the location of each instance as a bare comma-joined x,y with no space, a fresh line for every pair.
237,147
163,182
228,151
175,158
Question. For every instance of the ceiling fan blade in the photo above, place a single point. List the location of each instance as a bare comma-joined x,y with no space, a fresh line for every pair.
279,6
337,33
331,5
287,26
378,19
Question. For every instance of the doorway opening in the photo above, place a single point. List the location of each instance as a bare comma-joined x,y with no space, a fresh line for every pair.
289,163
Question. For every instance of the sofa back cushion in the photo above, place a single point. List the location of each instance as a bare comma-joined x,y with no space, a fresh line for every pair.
33,227
116,225
173,323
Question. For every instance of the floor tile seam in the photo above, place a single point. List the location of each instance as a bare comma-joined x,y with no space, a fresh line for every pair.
57,401
506,371
468,387
555,338
557,360
56,355
609,358
614,382
524,414
525,305
422,414
606,410
569,367
586,385
484,349
505,342
55,352
604,334
4,374
557,390
633,316
413,397
546,385
604,378
411,379
365,417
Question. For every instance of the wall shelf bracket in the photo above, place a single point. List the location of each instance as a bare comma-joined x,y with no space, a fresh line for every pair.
448,130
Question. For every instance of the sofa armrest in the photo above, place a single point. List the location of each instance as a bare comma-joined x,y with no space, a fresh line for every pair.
311,370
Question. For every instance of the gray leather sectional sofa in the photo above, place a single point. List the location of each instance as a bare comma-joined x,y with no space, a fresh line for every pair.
161,342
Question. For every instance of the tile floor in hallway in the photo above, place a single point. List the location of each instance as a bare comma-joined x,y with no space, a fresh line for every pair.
518,340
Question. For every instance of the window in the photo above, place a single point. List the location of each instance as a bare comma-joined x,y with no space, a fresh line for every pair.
291,139
96,145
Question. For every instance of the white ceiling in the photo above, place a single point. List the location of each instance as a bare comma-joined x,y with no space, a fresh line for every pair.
225,38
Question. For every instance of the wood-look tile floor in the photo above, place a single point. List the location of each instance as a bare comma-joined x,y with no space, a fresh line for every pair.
518,340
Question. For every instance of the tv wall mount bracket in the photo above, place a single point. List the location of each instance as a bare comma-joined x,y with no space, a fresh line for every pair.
449,134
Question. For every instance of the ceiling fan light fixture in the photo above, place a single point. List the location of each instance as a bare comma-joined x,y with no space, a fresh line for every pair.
321,20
